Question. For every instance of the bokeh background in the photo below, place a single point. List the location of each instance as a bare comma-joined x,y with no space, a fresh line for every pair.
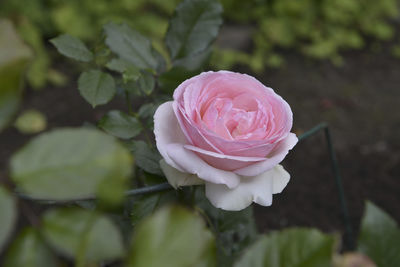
334,61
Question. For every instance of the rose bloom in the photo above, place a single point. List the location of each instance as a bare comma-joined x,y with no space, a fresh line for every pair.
228,131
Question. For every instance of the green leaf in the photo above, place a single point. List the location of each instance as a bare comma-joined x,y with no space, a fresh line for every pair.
172,237
146,158
145,205
147,110
82,234
8,214
72,47
31,121
294,247
175,76
131,75
194,26
194,62
28,249
235,230
379,237
118,65
120,124
96,87
69,163
130,45
14,56
38,68
146,82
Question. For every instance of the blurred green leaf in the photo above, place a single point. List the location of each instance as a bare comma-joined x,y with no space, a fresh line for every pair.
131,75
145,205
146,158
146,82
120,124
96,87
28,249
82,234
72,47
147,110
118,65
8,214
195,61
193,27
14,56
379,237
31,121
130,45
235,230
294,247
69,163
172,237
37,70
171,79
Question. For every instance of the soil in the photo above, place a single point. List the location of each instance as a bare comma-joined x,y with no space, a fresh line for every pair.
360,102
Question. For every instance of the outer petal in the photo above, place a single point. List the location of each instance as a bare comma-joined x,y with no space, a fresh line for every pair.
277,155
167,131
258,189
177,178
189,162
222,161
280,179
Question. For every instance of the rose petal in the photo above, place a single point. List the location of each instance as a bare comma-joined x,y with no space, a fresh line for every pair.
280,179
224,162
277,155
177,178
189,162
258,189
167,131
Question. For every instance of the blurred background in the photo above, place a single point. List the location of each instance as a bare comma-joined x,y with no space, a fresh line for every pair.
334,61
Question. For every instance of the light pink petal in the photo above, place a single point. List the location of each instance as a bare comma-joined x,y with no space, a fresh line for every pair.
222,161
280,179
177,178
189,162
194,134
167,131
258,189
276,156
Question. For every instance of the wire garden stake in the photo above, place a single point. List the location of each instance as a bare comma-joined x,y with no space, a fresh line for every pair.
348,238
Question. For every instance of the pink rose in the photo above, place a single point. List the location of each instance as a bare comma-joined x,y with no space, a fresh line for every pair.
228,131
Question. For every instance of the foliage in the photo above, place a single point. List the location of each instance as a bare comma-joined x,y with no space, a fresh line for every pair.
291,247
31,121
14,56
7,214
172,237
81,189
39,19
379,237
318,29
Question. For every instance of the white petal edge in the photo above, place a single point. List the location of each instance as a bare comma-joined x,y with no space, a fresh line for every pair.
167,131
177,178
272,160
189,162
258,189
280,179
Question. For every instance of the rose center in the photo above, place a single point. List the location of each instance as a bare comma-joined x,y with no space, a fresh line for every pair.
233,118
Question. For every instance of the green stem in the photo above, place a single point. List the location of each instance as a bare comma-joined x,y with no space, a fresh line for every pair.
128,103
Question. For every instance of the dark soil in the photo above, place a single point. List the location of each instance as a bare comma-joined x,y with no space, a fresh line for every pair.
359,101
